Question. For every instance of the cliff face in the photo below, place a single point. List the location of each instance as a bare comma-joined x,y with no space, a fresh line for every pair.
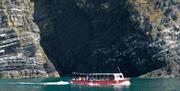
160,20
21,55
139,36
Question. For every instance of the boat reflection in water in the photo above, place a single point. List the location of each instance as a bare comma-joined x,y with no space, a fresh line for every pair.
116,79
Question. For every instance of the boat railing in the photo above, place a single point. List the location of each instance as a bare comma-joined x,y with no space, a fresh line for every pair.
92,79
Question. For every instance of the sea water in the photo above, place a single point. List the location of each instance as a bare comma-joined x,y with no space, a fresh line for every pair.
63,84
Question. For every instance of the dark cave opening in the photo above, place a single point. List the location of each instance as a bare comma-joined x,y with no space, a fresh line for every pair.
89,38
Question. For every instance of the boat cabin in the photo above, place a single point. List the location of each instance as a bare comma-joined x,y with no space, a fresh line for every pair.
99,76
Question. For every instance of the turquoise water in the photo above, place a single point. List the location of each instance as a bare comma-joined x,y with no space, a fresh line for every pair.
137,84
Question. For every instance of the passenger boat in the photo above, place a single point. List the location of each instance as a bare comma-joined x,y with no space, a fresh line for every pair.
101,79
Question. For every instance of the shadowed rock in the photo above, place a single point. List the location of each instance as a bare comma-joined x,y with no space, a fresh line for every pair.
21,55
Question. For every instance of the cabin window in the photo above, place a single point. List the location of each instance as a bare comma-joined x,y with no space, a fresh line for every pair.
111,77
121,76
90,77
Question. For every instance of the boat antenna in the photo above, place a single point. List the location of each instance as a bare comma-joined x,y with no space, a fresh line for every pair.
119,69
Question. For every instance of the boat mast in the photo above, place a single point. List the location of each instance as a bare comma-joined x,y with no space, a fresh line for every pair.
119,69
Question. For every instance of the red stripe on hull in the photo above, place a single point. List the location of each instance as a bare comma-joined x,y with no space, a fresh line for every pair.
85,82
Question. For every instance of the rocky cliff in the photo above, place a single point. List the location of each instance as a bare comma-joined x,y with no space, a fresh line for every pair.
160,20
139,36
21,55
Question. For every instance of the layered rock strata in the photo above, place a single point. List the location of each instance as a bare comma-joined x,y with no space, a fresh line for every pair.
160,20
21,55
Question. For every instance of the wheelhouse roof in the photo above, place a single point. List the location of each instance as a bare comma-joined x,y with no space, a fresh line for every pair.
98,73
106,73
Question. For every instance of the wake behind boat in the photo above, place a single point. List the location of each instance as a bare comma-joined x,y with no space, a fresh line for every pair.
100,79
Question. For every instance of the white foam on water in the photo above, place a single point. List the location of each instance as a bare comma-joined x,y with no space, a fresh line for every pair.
43,83
126,83
56,83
